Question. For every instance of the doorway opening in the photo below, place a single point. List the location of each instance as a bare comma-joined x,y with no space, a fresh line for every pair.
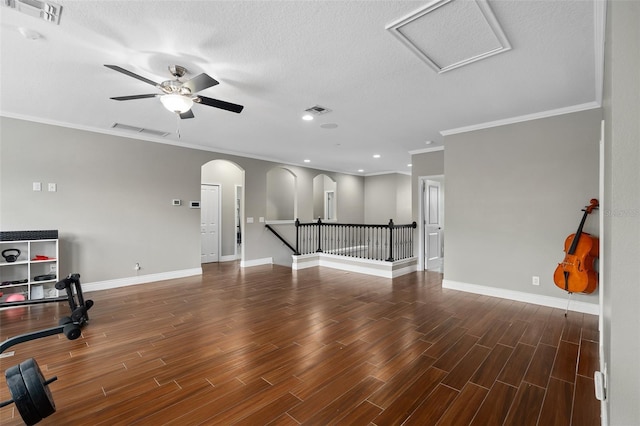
224,211
431,229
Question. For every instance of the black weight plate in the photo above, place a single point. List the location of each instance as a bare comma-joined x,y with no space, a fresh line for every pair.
79,314
38,392
72,331
28,411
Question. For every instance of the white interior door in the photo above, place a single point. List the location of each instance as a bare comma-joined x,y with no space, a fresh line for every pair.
210,223
238,224
432,226
329,205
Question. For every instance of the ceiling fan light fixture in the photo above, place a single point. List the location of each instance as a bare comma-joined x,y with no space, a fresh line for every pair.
176,103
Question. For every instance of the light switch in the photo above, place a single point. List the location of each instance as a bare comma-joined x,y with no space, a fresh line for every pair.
261,219
53,187
249,220
37,186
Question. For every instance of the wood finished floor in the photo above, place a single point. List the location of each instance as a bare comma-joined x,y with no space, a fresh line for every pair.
265,345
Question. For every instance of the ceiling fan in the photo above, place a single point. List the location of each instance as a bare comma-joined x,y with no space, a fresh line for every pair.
179,96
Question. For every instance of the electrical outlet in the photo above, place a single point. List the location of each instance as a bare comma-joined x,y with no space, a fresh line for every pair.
535,280
53,269
137,267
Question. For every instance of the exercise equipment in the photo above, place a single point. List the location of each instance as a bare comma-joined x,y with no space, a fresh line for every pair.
27,385
30,391
11,257
74,296
15,298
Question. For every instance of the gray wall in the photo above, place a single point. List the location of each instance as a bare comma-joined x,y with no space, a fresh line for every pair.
227,175
514,193
281,190
387,197
113,204
621,208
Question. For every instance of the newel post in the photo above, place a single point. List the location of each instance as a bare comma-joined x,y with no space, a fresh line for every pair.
297,222
390,259
319,240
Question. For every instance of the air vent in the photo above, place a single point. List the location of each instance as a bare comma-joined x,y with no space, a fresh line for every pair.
139,129
47,10
318,110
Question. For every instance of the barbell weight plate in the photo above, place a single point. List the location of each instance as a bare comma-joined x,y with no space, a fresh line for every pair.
27,409
38,391
79,314
72,331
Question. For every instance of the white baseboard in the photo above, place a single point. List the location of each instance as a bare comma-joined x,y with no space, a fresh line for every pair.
228,258
536,299
256,262
376,268
140,279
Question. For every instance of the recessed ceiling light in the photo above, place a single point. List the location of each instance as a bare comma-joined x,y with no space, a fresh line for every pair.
428,142
376,155
307,117
307,161
409,165
360,170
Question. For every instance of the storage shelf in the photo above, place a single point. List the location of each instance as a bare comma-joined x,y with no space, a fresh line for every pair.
26,267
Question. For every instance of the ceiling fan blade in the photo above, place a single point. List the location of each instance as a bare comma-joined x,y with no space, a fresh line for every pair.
130,74
220,104
128,98
200,82
188,114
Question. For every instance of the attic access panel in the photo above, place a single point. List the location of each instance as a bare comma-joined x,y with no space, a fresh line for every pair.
447,34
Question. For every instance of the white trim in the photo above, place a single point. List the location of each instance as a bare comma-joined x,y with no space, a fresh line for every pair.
490,19
139,136
256,262
536,299
604,409
378,268
280,222
228,258
141,279
521,118
425,150
387,173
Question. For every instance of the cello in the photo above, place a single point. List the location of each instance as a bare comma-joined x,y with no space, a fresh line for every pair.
576,273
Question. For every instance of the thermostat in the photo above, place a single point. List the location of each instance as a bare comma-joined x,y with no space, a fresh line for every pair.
176,202
194,204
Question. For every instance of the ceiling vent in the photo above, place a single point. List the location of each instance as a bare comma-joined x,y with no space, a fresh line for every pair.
136,129
318,110
447,34
47,10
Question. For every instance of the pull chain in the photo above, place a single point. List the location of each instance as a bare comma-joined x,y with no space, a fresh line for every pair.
178,125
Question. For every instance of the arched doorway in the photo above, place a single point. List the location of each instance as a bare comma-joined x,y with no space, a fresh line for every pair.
221,211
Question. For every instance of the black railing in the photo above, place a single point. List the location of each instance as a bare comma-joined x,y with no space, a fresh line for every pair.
285,242
377,242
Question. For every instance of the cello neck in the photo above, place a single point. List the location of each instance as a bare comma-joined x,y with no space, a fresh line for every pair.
593,204
576,238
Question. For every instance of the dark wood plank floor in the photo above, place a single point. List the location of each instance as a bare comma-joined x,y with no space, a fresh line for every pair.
267,345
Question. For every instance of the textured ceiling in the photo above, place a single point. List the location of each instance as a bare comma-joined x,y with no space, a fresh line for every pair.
278,58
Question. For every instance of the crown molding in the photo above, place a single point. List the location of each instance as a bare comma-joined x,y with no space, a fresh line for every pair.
521,118
149,138
424,150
